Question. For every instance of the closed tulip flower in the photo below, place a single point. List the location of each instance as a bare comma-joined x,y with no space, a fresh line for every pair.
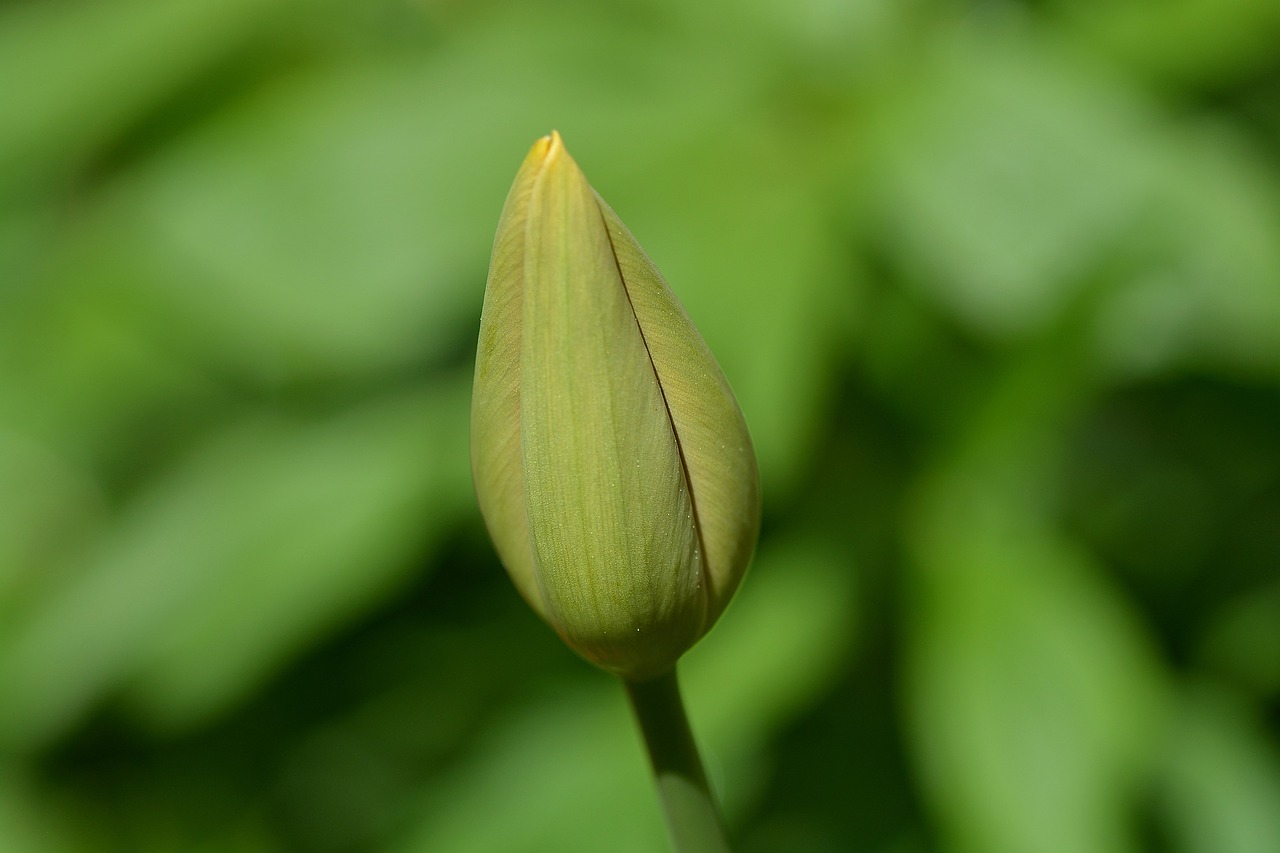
612,464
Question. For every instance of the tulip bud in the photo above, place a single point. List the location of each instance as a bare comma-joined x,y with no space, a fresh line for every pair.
611,462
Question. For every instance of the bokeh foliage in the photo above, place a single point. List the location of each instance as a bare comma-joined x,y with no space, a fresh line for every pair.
998,287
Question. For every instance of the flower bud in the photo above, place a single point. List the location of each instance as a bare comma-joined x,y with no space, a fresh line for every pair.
611,462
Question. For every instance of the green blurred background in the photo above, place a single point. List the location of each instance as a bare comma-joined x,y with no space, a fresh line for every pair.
997,284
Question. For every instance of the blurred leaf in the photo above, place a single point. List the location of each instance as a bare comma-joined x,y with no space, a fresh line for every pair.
1181,43
1206,264
28,824
1242,640
569,773
309,231
48,508
354,514
1008,171
27,237
339,221
80,373
829,38
263,540
1221,786
77,72
1034,697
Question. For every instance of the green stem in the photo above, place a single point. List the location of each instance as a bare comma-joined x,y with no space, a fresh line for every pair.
693,820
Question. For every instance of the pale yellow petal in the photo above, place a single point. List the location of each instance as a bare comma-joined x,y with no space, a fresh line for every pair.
495,401
716,448
610,515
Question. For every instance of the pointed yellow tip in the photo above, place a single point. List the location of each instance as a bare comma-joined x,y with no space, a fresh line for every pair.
546,149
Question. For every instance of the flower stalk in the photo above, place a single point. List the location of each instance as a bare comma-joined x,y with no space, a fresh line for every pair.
694,823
